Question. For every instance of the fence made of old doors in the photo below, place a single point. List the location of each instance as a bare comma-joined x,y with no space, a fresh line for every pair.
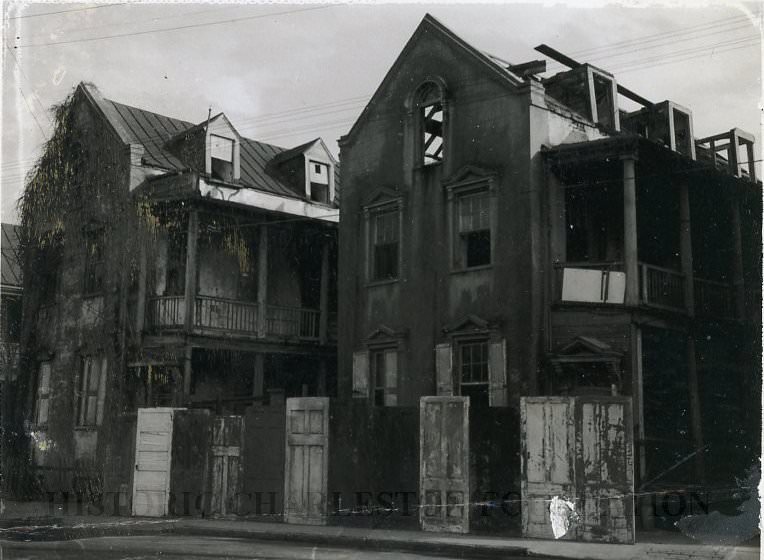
605,470
227,432
153,453
307,460
579,449
548,442
444,464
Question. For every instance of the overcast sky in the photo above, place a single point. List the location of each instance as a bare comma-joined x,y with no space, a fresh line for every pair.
286,73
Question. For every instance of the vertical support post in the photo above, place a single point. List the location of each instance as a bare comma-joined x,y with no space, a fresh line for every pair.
685,247
140,312
638,392
737,256
732,153
323,320
188,352
191,265
262,281
695,414
322,378
258,376
751,161
630,230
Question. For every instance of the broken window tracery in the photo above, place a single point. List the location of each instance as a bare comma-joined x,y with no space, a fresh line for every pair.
432,117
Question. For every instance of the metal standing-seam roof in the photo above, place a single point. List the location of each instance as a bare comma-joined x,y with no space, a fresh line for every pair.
153,131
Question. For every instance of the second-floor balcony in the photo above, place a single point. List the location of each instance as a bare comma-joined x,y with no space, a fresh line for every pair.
659,288
241,318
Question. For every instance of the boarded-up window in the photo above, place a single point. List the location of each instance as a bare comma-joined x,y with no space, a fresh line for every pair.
384,374
361,374
91,389
43,395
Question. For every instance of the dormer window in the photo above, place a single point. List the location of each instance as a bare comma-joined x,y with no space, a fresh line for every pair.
221,158
319,182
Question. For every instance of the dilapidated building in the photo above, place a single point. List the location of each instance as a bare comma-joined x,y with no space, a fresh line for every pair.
576,269
169,264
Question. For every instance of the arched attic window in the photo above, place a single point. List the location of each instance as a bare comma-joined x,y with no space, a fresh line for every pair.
431,115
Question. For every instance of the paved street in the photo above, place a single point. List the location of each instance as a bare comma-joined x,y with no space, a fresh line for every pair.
190,548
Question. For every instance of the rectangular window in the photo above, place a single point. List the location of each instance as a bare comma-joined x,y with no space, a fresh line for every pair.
319,182
43,395
385,234
94,261
384,376
432,133
472,369
378,377
221,158
474,226
91,391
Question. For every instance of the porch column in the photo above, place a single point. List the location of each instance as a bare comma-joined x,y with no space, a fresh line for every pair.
191,265
188,353
323,325
630,257
737,262
140,312
258,378
262,280
696,425
685,247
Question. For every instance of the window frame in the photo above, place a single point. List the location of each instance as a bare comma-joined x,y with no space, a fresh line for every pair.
41,395
89,399
455,194
459,344
94,269
371,214
430,93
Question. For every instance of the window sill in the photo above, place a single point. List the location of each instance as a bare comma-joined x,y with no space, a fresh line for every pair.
86,428
375,283
471,269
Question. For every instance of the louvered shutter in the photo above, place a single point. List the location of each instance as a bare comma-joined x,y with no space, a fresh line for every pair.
443,370
361,375
497,373
391,378
101,391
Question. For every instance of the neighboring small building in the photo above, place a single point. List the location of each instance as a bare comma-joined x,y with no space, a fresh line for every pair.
11,290
505,235
172,264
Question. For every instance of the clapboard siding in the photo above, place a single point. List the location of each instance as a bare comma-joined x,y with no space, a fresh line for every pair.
610,328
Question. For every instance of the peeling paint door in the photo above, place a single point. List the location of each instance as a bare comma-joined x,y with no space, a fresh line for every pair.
581,449
605,470
153,454
444,464
227,432
307,457
548,443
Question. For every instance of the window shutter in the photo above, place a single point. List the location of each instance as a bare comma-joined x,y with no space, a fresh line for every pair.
497,373
82,391
391,378
361,375
443,370
101,392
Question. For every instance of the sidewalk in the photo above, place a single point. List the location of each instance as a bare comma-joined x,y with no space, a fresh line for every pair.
34,522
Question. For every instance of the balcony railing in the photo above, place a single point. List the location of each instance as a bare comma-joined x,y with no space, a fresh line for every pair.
292,322
235,316
661,287
714,299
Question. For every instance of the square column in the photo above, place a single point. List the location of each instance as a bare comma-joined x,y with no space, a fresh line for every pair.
631,262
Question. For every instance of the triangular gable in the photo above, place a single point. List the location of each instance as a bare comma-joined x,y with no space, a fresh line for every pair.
469,174
383,333
427,25
588,346
381,195
468,323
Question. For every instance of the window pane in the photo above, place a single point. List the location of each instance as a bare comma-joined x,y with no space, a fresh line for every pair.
477,248
221,148
90,417
42,410
95,375
473,212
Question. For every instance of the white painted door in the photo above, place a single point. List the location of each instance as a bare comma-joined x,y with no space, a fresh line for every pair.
548,447
307,460
153,453
444,472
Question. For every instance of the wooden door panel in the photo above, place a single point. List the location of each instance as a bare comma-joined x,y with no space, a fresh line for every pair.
153,454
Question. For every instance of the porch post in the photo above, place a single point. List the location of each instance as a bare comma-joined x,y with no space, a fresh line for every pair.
696,426
262,280
140,312
685,247
323,325
191,265
737,264
188,353
258,378
630,230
